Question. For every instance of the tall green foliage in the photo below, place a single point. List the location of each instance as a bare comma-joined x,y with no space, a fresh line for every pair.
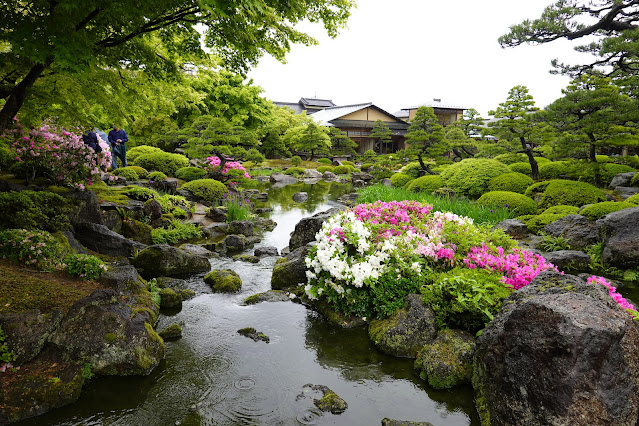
381,133
425,136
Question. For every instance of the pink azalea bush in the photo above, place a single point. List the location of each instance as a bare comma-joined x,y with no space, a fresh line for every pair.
612,291
59,156
230,167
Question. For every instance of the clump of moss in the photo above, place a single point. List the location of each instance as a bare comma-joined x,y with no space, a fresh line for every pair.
599,210
224,281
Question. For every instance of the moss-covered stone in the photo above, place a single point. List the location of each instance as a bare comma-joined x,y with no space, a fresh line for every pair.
332,402
224,281
170,299
268,296
246,258
252,333
138,231
448,360
170,333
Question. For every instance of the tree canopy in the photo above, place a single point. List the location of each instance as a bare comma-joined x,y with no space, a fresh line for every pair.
425,136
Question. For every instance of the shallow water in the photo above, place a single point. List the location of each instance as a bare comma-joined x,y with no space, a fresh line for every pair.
214,376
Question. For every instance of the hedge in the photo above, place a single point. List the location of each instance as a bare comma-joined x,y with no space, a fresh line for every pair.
428,183
513,182
209,190
471,176
513,201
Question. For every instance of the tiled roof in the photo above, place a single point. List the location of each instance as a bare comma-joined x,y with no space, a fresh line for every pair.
295,106
435,104
313,102
326,115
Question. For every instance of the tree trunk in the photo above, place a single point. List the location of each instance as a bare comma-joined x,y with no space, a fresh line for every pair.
531,158
19,93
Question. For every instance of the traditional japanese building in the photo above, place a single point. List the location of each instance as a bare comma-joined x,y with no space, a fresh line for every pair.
446,114
308,105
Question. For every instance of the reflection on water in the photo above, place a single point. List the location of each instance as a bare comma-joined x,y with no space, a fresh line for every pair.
214,376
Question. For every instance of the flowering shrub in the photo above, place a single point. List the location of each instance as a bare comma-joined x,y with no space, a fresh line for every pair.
612,291
230,167
87,267
33,248
59,156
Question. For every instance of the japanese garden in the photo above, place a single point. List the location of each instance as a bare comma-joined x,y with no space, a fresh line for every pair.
175,248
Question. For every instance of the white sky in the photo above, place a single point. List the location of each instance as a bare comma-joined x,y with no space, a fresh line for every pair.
402,53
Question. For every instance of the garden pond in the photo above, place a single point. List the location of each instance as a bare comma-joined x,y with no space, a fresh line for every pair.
215,376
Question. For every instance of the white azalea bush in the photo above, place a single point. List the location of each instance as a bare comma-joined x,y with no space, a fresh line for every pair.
369,257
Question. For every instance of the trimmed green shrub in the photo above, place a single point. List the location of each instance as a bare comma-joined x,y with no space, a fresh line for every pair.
323,169
554,169
471,176
609,170
542,160
156,176
324,161
599,210
523,168
294,171
86,266
162,162
428,183
412,169
561,209
631,160
513,201
6,157
398,180
209,190
571,193
633,200
140,193
126,173
511,158
34,210
366,166
254,156
341,170
370,155
141,171
513,182
536,189
296,160
635,180
133,153
348,163
177,232
351,169
603,159
190,173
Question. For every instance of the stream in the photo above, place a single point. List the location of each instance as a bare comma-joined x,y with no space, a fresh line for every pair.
214,376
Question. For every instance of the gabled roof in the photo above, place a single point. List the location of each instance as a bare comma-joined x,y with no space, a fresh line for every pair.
327,115
295,106
436,104
314,102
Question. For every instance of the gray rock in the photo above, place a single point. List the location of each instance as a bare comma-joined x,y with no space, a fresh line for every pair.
262,178
187,194
112,220
246,258
75,244
241,227
390,422
386,182
622,179
170,299
577,230
121,277
626,191
27,332
513,227
571,261
560,352
306,228
290,271
358,183
266,251
261,210
86,207
224,281
164,260
111,333
329,176
300,197
312,173
282,178
235,243
264,224
174,283
268,296
101,239
197,250
447,361
323,398
153,209
620,233
217,214
405,332
166,186
171,333
216,229
366,177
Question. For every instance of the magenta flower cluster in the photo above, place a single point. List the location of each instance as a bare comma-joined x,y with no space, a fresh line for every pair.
213,163
57,155
612,291
519,267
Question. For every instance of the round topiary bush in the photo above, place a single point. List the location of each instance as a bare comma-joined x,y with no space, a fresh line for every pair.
471,176
561,209
511,158
325,161
141,171
209,190
190,173
513,201
366,166
126,173
536,223
133,153
341,170
599,210
155,176
412,169
323,169
536,189
513,182
522,167
428,183
399,180
348,163
162,162
294,171
296,160
554,169
571,193
140,193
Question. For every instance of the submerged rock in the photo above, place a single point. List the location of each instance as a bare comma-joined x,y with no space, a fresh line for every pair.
447,361
251,333
560,352
171,333
329,400
224,281
405,332
390,422
268,296
246,258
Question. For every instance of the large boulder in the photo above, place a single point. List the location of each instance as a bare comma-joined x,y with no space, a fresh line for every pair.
281,178
266,251
572,261
224,281
112,333
329,176
242,227
86,207
620,233
137,231
577,230
513,227
235,243
312,173
447,361
306,228
622,179
290,271
121,277
101,239
168,261
625,192
27,332
561,352
405,332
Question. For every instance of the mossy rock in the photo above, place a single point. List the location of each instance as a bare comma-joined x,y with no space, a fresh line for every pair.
513,201
268,296
224,281
253,334
513,182
138,231
599,210
447,362
170,299
246,258
170,333
428,184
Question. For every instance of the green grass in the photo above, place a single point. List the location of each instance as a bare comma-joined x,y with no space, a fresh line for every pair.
479,214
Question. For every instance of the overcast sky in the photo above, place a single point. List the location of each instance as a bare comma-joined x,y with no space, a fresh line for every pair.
402,53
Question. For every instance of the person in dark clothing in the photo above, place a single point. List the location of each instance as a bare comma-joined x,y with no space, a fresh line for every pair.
118,138
91,139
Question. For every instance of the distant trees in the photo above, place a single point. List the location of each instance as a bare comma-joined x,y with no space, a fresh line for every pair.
425,136
381,133
341,144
